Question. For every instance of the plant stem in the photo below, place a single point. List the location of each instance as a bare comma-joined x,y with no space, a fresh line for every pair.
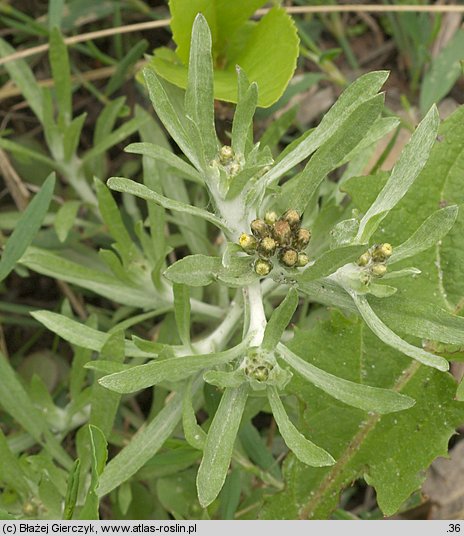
258,322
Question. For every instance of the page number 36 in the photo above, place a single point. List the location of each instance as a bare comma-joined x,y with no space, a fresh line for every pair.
454,527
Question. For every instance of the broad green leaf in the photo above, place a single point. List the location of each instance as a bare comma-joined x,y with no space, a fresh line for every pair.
99,455
279,320
169,116
389,337
27,227
304,450
71,492
125,185
166,157
65,218
354,394
199,100
182,312
332,152
21,74
359,91
16,402
267,61
391,451
194,270
444,70
144,445
329,262
413,158
98,281
429,233
82,335
174,369
59,62
104,404
220,443
243,117
224,18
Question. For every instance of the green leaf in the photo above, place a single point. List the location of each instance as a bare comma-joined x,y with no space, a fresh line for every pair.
27,227
194,433
22,150
332,152
125,65
444,70
279,320
194,270
99,455
413,158
182,312
82,335
161,154
304,450
359,91
104,404
59,62
98,281
71,492
125,185
169,116
429,233
11,472
72,136
117,136
174,369
64,219
389,337
143,446
16,402
391,451
199,100
220,443
354,394
23,77
329,262
266,61
243,117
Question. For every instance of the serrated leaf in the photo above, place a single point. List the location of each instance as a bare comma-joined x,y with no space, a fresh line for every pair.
27,227
220,443
391,451
305,450
279,320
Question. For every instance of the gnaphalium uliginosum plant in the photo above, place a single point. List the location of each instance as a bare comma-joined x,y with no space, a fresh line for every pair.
264,249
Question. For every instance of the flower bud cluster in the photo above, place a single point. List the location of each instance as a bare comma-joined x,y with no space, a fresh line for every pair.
261,369
373,262
229,160
281,237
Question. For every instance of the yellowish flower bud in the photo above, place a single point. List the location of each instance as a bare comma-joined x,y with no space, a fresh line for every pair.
270,217
260,228
379,270
301,239
382,252
282,232
226,154
267,247
288,257
303,260
364,259
248,242
292,217
262,267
